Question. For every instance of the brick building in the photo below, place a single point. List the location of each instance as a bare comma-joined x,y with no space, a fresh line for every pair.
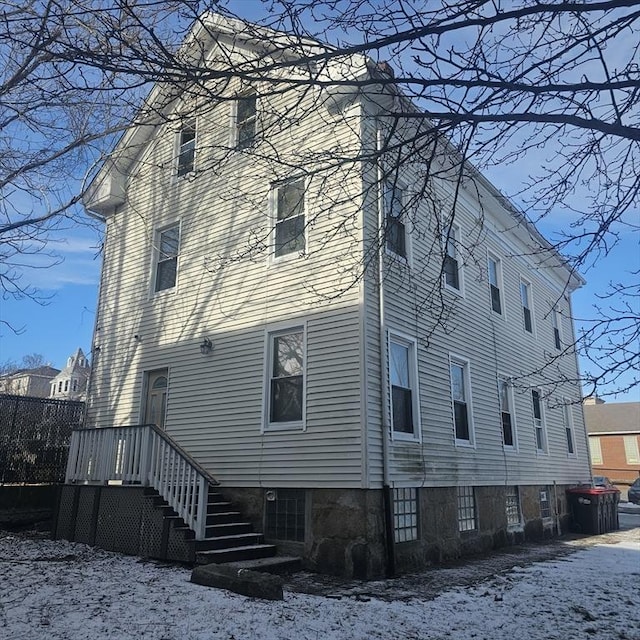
614,439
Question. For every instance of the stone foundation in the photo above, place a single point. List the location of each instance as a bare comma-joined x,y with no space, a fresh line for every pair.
345,532
344,529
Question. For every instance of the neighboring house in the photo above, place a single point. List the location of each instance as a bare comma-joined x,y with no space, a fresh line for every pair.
29,382
614,439
348,360
71,383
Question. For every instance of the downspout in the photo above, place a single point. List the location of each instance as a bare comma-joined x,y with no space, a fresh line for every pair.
557,512
585,433
384,387
95,354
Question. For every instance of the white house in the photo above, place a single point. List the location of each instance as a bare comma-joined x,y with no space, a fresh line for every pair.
355,353
71,383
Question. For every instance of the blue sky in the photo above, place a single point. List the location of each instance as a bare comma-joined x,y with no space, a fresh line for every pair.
64,321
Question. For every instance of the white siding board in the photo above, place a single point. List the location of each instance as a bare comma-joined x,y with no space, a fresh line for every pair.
215,407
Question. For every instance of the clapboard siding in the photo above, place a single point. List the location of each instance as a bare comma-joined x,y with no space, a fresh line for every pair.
230,290
413,302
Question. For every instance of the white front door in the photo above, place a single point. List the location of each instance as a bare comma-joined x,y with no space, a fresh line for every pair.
156,400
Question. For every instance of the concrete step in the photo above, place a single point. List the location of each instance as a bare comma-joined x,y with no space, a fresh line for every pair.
234,554
227,542
279,565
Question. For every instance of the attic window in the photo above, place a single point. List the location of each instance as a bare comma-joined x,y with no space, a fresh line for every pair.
187,147
394,226
246,118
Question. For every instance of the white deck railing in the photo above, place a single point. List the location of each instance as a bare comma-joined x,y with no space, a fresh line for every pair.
142,455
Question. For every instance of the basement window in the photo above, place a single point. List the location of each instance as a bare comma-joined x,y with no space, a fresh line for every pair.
285,514
512,507
545,503
405,514
467,516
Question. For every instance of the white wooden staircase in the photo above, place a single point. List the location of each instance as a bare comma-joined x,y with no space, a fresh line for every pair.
187,496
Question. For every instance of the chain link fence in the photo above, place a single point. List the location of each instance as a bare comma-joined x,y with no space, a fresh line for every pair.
34,438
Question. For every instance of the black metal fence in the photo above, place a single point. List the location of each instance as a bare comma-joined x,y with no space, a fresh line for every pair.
34,438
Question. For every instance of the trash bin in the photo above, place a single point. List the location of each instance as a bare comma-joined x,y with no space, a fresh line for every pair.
593,509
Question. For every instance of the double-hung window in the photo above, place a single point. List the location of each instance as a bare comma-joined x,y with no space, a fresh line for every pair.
538,421
595,450
494,269
246,118
525,298
289,218
286,370
395,231
186,147
631,452
402,378
506,412
166,249
451,266
461,397
556,320
567,419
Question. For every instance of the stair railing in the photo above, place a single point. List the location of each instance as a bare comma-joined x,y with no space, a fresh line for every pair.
142,455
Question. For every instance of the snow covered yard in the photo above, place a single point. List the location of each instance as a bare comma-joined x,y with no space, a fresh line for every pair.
64,591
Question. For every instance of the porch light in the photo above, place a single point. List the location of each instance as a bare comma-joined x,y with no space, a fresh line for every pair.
206,347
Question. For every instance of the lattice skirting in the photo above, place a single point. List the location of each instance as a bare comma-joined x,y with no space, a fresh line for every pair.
124,519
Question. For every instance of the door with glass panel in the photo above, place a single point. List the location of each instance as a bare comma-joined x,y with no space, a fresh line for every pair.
156,398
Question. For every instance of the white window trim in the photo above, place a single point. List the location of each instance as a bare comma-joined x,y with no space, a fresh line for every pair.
455,234
543,423
233,127
397,184
514,447
273,219
270,332
155,254
503,314
527,283
404,339
177,148
568,424
595,451
466,364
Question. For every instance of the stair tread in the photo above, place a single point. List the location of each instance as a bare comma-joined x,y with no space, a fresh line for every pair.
231,536
241,548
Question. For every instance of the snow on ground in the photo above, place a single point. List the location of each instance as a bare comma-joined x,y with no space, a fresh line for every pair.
65,591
